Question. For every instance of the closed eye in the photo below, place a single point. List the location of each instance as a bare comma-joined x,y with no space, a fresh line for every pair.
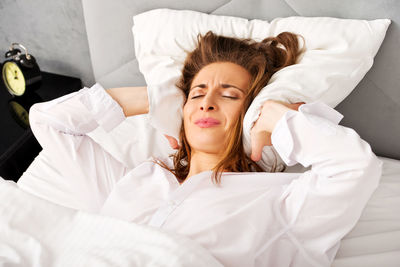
226,96
231,97
196,96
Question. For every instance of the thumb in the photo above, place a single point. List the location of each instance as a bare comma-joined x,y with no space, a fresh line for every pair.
259,139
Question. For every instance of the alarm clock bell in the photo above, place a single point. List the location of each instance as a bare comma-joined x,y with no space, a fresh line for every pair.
20,73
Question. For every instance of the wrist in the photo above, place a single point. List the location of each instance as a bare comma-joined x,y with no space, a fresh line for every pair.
275,110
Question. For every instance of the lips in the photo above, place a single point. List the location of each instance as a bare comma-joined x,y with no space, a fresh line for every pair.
207,122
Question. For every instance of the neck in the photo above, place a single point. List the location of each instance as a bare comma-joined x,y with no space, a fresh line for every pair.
201,161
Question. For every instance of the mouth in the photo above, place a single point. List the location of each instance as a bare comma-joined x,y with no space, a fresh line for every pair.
207,122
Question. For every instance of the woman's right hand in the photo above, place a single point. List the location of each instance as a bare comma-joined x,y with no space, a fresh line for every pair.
172,142
261,132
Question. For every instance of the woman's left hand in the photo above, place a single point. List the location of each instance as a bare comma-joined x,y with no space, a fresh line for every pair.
271,112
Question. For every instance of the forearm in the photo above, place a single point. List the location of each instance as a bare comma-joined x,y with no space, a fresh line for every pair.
316,139
133,100
74,115
324,203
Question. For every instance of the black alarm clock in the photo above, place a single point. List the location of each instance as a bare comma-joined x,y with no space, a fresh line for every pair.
20,73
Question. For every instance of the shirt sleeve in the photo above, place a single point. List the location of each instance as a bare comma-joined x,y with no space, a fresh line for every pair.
324,203
74,170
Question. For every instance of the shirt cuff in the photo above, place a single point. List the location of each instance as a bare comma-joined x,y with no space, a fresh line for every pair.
105,110
317,113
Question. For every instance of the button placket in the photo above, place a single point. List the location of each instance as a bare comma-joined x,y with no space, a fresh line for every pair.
163,213
170,208
173,203
176,198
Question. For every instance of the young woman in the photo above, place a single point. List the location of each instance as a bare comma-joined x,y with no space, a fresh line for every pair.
208,191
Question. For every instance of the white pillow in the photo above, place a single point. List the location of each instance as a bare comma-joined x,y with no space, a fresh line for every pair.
339,52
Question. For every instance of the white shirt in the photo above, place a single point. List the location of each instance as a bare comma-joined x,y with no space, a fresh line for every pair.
252,219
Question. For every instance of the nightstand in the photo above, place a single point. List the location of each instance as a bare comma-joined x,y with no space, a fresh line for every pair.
18,146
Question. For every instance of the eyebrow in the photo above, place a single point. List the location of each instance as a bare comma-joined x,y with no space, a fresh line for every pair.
223,85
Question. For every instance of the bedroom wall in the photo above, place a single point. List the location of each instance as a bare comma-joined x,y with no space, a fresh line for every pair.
54,33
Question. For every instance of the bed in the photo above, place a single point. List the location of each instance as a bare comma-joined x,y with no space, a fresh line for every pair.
372,109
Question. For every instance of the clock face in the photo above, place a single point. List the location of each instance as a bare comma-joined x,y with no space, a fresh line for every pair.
13,78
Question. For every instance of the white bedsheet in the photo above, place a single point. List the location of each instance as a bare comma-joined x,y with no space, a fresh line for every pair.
35,232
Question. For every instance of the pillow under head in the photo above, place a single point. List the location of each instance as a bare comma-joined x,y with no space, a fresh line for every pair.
339,52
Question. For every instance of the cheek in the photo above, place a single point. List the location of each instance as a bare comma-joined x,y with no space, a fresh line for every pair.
232,113
187,111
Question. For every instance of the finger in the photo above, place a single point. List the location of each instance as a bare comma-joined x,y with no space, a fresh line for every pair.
172,142
299,104
296,106
258,141
268,141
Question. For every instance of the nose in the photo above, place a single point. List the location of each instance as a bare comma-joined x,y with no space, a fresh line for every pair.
205,107
207,104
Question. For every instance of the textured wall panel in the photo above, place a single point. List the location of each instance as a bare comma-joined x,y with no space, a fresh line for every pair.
53,31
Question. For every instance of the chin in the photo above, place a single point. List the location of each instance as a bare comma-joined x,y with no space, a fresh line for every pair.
207,144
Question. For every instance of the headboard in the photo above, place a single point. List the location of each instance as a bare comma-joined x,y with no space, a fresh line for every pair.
372,109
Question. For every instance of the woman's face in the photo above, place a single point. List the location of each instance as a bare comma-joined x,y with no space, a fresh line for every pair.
214,103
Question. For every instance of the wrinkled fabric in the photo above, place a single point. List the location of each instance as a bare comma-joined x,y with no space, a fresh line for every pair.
36,232
251,219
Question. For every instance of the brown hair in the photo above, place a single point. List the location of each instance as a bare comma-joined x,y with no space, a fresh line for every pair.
261,60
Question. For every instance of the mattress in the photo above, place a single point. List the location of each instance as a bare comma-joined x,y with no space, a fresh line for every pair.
375,240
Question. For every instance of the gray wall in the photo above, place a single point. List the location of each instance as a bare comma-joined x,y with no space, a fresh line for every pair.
54,33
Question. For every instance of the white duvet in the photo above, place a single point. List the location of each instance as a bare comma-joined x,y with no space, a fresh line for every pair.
35,232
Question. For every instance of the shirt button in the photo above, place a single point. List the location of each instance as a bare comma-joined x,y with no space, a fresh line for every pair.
172,203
